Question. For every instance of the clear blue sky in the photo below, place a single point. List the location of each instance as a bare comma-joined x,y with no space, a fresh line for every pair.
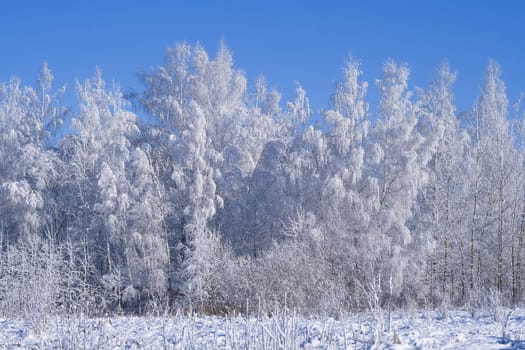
287,41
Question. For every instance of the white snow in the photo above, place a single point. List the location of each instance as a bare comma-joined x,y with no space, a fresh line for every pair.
423,330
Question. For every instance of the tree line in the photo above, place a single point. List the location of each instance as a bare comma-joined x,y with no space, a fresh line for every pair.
221,195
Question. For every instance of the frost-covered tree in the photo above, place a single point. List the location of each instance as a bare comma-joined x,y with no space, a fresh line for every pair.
397,171
442,209
28,168
519,235
495,161
146,265
343,207
214,139
94,183
199,193
308,156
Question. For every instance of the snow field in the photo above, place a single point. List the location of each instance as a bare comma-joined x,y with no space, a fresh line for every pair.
424,330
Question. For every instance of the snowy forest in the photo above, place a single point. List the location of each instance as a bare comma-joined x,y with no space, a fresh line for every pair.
203,190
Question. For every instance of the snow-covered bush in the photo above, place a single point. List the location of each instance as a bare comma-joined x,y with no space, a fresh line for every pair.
32,281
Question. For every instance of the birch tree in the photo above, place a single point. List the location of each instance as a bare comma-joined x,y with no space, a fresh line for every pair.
398,158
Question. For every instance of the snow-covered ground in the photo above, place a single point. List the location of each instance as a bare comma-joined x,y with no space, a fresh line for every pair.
427,330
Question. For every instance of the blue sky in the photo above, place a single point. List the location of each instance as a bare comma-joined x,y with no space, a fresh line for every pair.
287,41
